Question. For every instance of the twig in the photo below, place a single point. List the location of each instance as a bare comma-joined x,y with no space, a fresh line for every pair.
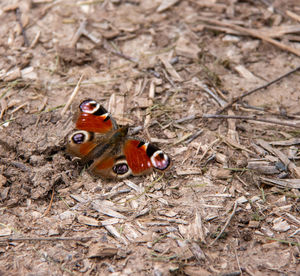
227,223
35,40
118,53
252,118
237,260
183,138
73,95
220,101
253,33
188,118
293,15
50,204
208,148
148,116
18,15
78,33
256,89
194,136
12,239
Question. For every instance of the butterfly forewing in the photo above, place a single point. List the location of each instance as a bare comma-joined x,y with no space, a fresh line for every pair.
136,156
143,157
94,117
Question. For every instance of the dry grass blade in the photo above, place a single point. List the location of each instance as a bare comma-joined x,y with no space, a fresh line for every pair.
226,224
50,204
73,95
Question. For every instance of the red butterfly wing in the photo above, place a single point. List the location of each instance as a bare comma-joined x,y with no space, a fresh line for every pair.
94,118
99,139
142,157
93,123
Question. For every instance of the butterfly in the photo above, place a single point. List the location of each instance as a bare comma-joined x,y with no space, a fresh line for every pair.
106,148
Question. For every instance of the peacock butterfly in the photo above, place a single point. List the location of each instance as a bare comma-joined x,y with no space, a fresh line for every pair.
107,149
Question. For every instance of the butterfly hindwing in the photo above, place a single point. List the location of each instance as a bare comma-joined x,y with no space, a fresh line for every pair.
81,142
111,167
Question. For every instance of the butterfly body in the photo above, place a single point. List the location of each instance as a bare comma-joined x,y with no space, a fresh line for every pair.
107,149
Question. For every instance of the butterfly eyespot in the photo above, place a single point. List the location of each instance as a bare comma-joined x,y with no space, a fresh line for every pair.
80,137
89,106
121,168
160,160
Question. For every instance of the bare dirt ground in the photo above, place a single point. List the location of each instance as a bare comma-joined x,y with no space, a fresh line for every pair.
230,203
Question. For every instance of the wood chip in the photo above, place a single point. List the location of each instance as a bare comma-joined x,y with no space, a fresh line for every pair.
173,73
184,47
221,158
280,225
113,231
197,252
110,221
166,4
293,15
253,224
12,75
87,220
221,173
263,167
191,171
296,172
195,271
29,73
245,73
2,180
236,145
195,229
106,210
286,183
290,142
278,153
133,186
100,250
5,231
